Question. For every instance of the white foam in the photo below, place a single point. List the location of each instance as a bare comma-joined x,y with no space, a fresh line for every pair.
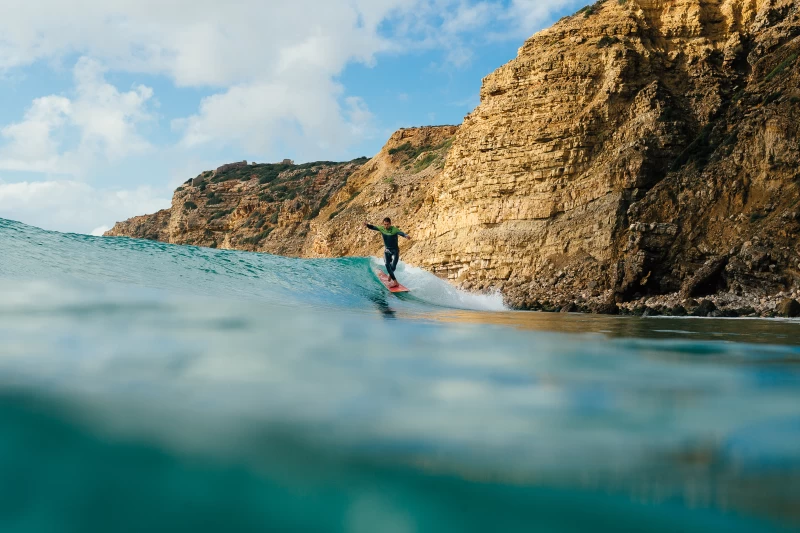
435,291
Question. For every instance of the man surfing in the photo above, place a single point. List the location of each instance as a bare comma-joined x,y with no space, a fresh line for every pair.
391,254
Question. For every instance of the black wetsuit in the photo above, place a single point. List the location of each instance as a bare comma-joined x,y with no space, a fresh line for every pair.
391,255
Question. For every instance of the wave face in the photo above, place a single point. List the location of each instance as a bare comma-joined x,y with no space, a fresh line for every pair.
323,283
146,386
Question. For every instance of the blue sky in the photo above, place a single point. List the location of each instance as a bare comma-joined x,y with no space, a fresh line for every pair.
108,107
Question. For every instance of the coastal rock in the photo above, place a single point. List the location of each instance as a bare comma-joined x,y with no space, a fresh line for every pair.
571,159
570,308
704,278
678,310
789,308
705,308
651,311
395,183
259,207
608,307
153,227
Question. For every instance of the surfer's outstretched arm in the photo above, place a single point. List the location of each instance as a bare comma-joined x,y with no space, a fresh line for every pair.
370,226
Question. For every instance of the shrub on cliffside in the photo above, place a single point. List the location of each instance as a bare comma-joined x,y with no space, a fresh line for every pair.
220,214
410,152
255,239
425,162
606,41
781,67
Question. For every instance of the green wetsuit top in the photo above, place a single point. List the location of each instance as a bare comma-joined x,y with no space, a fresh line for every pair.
389,235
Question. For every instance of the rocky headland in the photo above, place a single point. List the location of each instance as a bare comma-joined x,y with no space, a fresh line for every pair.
637,157
241,206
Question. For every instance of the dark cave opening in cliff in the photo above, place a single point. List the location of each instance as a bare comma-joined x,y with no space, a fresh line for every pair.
712,285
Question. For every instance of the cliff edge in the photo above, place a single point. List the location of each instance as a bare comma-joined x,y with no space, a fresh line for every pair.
625,149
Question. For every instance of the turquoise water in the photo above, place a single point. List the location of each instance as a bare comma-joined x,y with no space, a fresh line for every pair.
150,387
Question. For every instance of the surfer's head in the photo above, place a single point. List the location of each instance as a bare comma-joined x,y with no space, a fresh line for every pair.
387,222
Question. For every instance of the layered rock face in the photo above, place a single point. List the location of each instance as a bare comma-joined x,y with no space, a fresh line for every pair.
264,208
153,227
395,183
637,149
614,151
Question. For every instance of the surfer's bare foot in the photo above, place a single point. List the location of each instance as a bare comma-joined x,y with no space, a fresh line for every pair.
393,283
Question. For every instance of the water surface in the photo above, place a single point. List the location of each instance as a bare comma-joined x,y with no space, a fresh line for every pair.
145,386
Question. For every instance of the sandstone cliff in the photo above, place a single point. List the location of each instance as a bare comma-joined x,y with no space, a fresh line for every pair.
621,150
635,150
265,208
395,183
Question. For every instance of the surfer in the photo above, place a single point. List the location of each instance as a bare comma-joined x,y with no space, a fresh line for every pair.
391,254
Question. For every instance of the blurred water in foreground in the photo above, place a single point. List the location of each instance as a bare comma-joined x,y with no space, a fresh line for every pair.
149,387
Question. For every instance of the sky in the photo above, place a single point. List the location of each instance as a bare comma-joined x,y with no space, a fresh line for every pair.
109,105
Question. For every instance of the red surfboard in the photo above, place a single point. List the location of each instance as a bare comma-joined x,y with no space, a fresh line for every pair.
386,280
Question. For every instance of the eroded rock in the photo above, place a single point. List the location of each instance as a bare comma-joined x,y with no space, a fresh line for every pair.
789,308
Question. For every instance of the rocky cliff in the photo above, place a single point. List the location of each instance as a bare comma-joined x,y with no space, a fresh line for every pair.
637,152
264,208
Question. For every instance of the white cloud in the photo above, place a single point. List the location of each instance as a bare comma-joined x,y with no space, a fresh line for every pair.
195,42
30,144
274,62
528,16
359,117
107,118
73,206
459,56
468,17
101,118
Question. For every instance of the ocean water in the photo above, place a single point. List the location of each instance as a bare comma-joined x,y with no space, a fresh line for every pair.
150,387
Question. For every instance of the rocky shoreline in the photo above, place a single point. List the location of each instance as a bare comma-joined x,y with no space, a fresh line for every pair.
725,305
